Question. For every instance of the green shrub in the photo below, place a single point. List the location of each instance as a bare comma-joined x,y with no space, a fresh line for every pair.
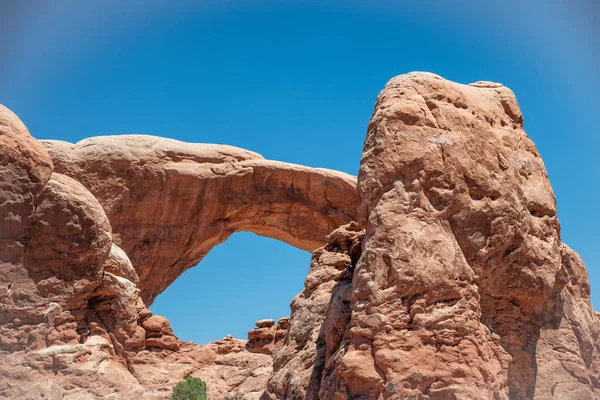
190,389
237,397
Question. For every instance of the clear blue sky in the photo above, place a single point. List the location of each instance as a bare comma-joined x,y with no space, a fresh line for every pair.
296,81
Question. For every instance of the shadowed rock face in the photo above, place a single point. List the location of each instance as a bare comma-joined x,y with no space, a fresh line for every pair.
320,315
170,203
453,284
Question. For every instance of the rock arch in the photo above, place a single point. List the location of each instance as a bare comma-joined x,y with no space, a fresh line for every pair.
459,285
169,202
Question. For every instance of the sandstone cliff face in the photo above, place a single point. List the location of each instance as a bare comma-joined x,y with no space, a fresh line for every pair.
452,284
463,251
463,289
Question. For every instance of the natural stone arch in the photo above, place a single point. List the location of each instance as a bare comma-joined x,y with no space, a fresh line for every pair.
170,202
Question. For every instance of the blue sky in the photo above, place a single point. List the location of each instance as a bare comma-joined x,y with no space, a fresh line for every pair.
297,81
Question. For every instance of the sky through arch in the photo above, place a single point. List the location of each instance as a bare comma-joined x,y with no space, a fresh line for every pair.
234,286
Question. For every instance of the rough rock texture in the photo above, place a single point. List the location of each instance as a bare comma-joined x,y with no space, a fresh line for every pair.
267,337
225,365
56,238
462,260
169,202
463,289
72,321
319,317
453,284
92,371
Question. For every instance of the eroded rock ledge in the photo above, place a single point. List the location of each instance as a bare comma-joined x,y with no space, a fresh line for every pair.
453,284
268,336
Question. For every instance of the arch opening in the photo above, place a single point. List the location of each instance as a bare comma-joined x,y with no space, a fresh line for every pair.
245,279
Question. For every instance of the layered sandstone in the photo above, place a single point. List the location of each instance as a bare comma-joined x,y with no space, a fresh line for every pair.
268,336
452,284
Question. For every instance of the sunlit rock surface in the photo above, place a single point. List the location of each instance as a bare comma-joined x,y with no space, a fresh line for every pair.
169,202
440,274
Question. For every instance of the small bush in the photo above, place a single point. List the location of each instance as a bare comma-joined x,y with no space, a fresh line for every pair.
237,397
190,389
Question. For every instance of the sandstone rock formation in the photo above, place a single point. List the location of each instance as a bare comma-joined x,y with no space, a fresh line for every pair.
453,282
72,321
463,289
320,314
267,337
474,278
170,202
